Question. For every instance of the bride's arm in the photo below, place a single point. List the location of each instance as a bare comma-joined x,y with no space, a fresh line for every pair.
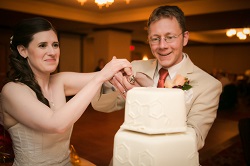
20,101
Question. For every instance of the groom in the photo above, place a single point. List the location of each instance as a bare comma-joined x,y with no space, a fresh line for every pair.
167,35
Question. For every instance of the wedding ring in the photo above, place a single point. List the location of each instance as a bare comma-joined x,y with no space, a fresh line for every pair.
131,79
123,92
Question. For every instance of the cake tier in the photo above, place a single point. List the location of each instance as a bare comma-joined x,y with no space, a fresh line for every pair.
155,110
176,149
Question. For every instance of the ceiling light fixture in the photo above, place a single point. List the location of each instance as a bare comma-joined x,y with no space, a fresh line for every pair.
81,1
240,33
101,3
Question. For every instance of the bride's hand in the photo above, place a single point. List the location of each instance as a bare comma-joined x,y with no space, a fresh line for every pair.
113,67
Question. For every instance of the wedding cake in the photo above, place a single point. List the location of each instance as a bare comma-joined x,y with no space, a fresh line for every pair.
155,110
154,132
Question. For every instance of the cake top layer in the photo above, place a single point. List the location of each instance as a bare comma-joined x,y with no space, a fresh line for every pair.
151,94
155,110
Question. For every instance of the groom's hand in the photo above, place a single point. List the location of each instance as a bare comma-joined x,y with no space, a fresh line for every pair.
121,81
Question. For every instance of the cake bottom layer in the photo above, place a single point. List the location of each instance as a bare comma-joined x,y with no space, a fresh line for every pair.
177,149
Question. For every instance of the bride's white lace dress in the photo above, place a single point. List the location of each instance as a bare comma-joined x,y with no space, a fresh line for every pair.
34,148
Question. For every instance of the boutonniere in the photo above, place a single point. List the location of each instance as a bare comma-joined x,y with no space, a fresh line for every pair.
179,82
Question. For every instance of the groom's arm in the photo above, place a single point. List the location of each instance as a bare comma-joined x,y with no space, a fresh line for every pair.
108,99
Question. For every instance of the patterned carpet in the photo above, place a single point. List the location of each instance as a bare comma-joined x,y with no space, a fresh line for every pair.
231,156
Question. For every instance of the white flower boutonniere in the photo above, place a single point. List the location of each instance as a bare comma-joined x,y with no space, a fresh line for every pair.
179,82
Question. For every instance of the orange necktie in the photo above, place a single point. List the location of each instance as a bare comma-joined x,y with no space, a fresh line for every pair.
163,75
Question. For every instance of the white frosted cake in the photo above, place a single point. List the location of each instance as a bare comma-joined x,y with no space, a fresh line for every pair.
134,148
155,110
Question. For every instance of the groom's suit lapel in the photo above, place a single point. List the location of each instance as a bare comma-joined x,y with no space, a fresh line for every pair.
187,68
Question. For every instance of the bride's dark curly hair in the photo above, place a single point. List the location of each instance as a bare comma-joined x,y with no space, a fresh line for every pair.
20,70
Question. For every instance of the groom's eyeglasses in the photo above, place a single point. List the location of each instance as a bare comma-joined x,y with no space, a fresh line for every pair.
168,39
